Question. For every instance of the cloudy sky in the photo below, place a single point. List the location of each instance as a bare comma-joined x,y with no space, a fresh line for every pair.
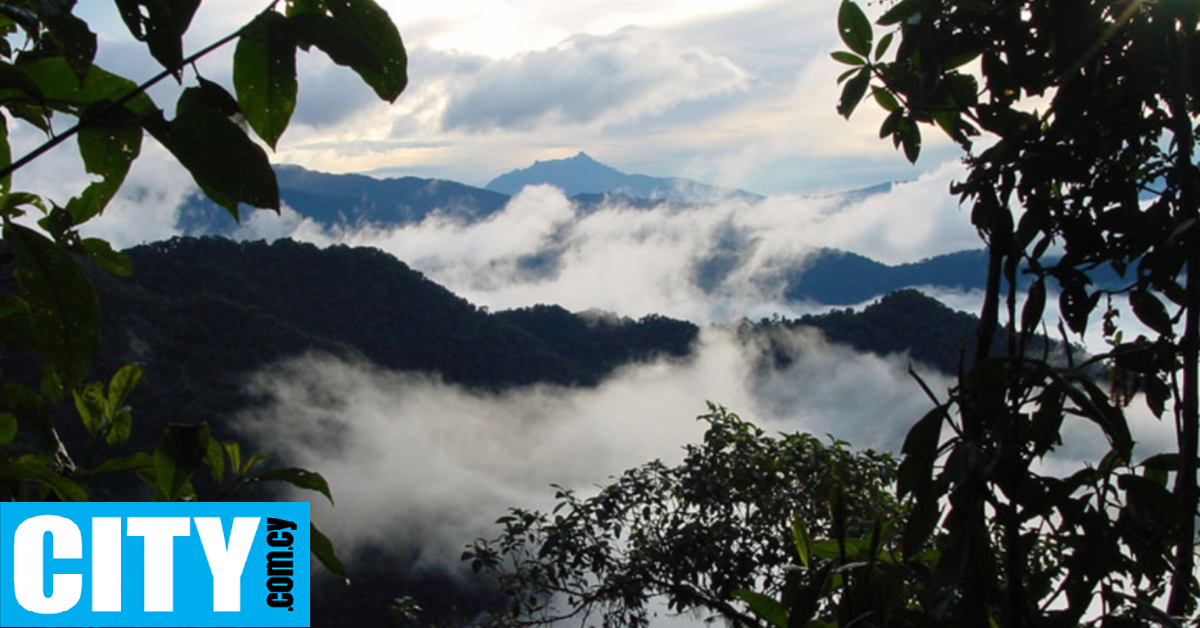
734,92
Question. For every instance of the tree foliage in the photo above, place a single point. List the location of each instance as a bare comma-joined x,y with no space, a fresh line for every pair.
1078,120
48,74
691,535
1088,110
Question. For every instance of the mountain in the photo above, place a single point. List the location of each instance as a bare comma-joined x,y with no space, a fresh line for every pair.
834,277
203,314
583,175
353,200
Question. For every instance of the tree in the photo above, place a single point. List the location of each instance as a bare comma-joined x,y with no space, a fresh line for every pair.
1089,110
49,306
696,534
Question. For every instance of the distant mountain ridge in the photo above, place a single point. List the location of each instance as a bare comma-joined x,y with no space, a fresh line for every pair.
352,200
583,175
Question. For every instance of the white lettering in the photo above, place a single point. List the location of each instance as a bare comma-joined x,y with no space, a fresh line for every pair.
65,542
227,563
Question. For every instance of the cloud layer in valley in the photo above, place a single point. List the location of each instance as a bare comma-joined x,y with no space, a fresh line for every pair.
413,459
709,262
415,462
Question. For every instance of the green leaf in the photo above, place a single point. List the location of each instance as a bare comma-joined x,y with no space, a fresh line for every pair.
227,165
65,313
911,139
370,24
161,25
848,58
108,146
764,607
299,478
30,406
1151,311
234,451
322,31
251,462
180,452
35,469
885,99
75,40
882,47
299,7
59,86
90,403
802,540
264,75
891,123
121,384
117,263
16,329
900,12
853,92
322,548
216,459
121,428
139,461
8,427
855,28
16,200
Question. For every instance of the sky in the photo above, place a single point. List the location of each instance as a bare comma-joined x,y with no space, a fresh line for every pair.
738,93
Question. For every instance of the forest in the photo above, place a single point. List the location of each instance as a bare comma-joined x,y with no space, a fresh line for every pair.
1077,123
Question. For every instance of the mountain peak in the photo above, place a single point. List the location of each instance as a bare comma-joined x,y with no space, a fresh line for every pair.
582,174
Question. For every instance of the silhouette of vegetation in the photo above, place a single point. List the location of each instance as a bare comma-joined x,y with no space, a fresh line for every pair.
1105,170
49,305
690,535
1090,112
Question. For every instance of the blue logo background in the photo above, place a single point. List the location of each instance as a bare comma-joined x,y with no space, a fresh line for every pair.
193,586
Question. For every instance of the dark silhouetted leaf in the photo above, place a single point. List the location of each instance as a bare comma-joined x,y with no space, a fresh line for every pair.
853,92
161,25
764,607
299,478
64,312
225,163
855,28
369,23
1151,311
848,58
35,469
101,252
322,548
1035,305
8,427
180,452
264,75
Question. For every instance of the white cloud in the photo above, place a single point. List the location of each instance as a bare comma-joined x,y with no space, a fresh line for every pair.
412,459
588,80
634,261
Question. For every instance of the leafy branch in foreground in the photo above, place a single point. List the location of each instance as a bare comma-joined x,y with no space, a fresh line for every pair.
1090,113
48,305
